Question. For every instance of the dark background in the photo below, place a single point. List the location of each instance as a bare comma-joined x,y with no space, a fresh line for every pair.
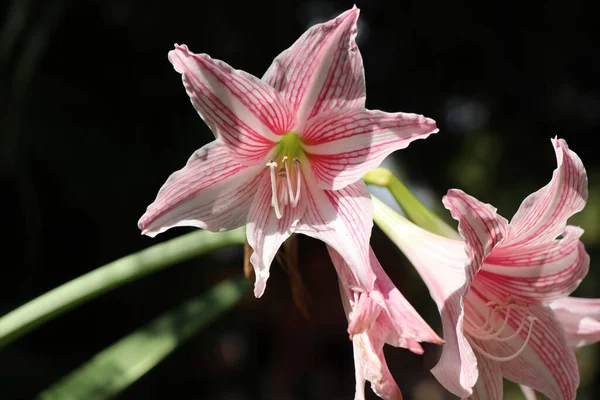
93,120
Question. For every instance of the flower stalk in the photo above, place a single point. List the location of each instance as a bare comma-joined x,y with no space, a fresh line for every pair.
416,211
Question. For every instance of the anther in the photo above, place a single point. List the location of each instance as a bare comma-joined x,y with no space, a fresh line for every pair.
274,202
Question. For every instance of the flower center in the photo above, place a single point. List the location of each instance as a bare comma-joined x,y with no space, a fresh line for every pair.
286,173
494,326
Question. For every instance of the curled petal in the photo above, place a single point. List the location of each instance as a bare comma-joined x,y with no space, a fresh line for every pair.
482,229
543,215
322,70
266,232
448,268
246,114
580,318
540,273
406,321
385,307
213,191
345,145
343,220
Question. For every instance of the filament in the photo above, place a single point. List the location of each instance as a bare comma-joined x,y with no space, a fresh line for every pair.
495,334
487,320
514,355
294,200
288,179
514,335
274,201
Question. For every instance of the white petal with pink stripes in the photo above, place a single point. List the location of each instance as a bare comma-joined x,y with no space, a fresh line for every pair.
493,296
289,150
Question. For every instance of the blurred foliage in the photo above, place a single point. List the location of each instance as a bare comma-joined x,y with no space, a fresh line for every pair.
93,119
110,277
117,367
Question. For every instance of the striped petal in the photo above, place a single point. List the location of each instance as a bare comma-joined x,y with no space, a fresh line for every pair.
385,304
213,191
246,114
543,215
344,145
482,229
580,318
489,386
441,263
266,233
343,220
547,364
538,273
322,70
448,268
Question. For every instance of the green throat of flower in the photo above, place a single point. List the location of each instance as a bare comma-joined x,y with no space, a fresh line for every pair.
286,173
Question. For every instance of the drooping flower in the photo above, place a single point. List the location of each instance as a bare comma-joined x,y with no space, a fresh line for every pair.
375,318
493,288
289,149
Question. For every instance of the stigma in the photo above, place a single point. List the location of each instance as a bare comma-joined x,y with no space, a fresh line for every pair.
494,329
286,182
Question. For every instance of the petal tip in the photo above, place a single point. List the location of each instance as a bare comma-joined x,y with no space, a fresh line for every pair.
353,13
177,56
259,289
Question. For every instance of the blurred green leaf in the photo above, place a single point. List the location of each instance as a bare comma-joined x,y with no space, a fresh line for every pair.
129,268
120,365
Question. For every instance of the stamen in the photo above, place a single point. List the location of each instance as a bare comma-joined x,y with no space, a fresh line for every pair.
514,335
495,334
513,356
283,195
274,202
288,178
294,200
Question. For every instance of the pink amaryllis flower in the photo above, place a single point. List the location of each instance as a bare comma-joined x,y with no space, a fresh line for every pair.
289,149
375,318
493,287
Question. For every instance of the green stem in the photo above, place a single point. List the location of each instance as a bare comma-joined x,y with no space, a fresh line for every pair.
413,208
111,276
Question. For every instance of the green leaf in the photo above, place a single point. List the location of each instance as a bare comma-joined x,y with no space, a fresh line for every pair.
120,365
413,208
111,276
